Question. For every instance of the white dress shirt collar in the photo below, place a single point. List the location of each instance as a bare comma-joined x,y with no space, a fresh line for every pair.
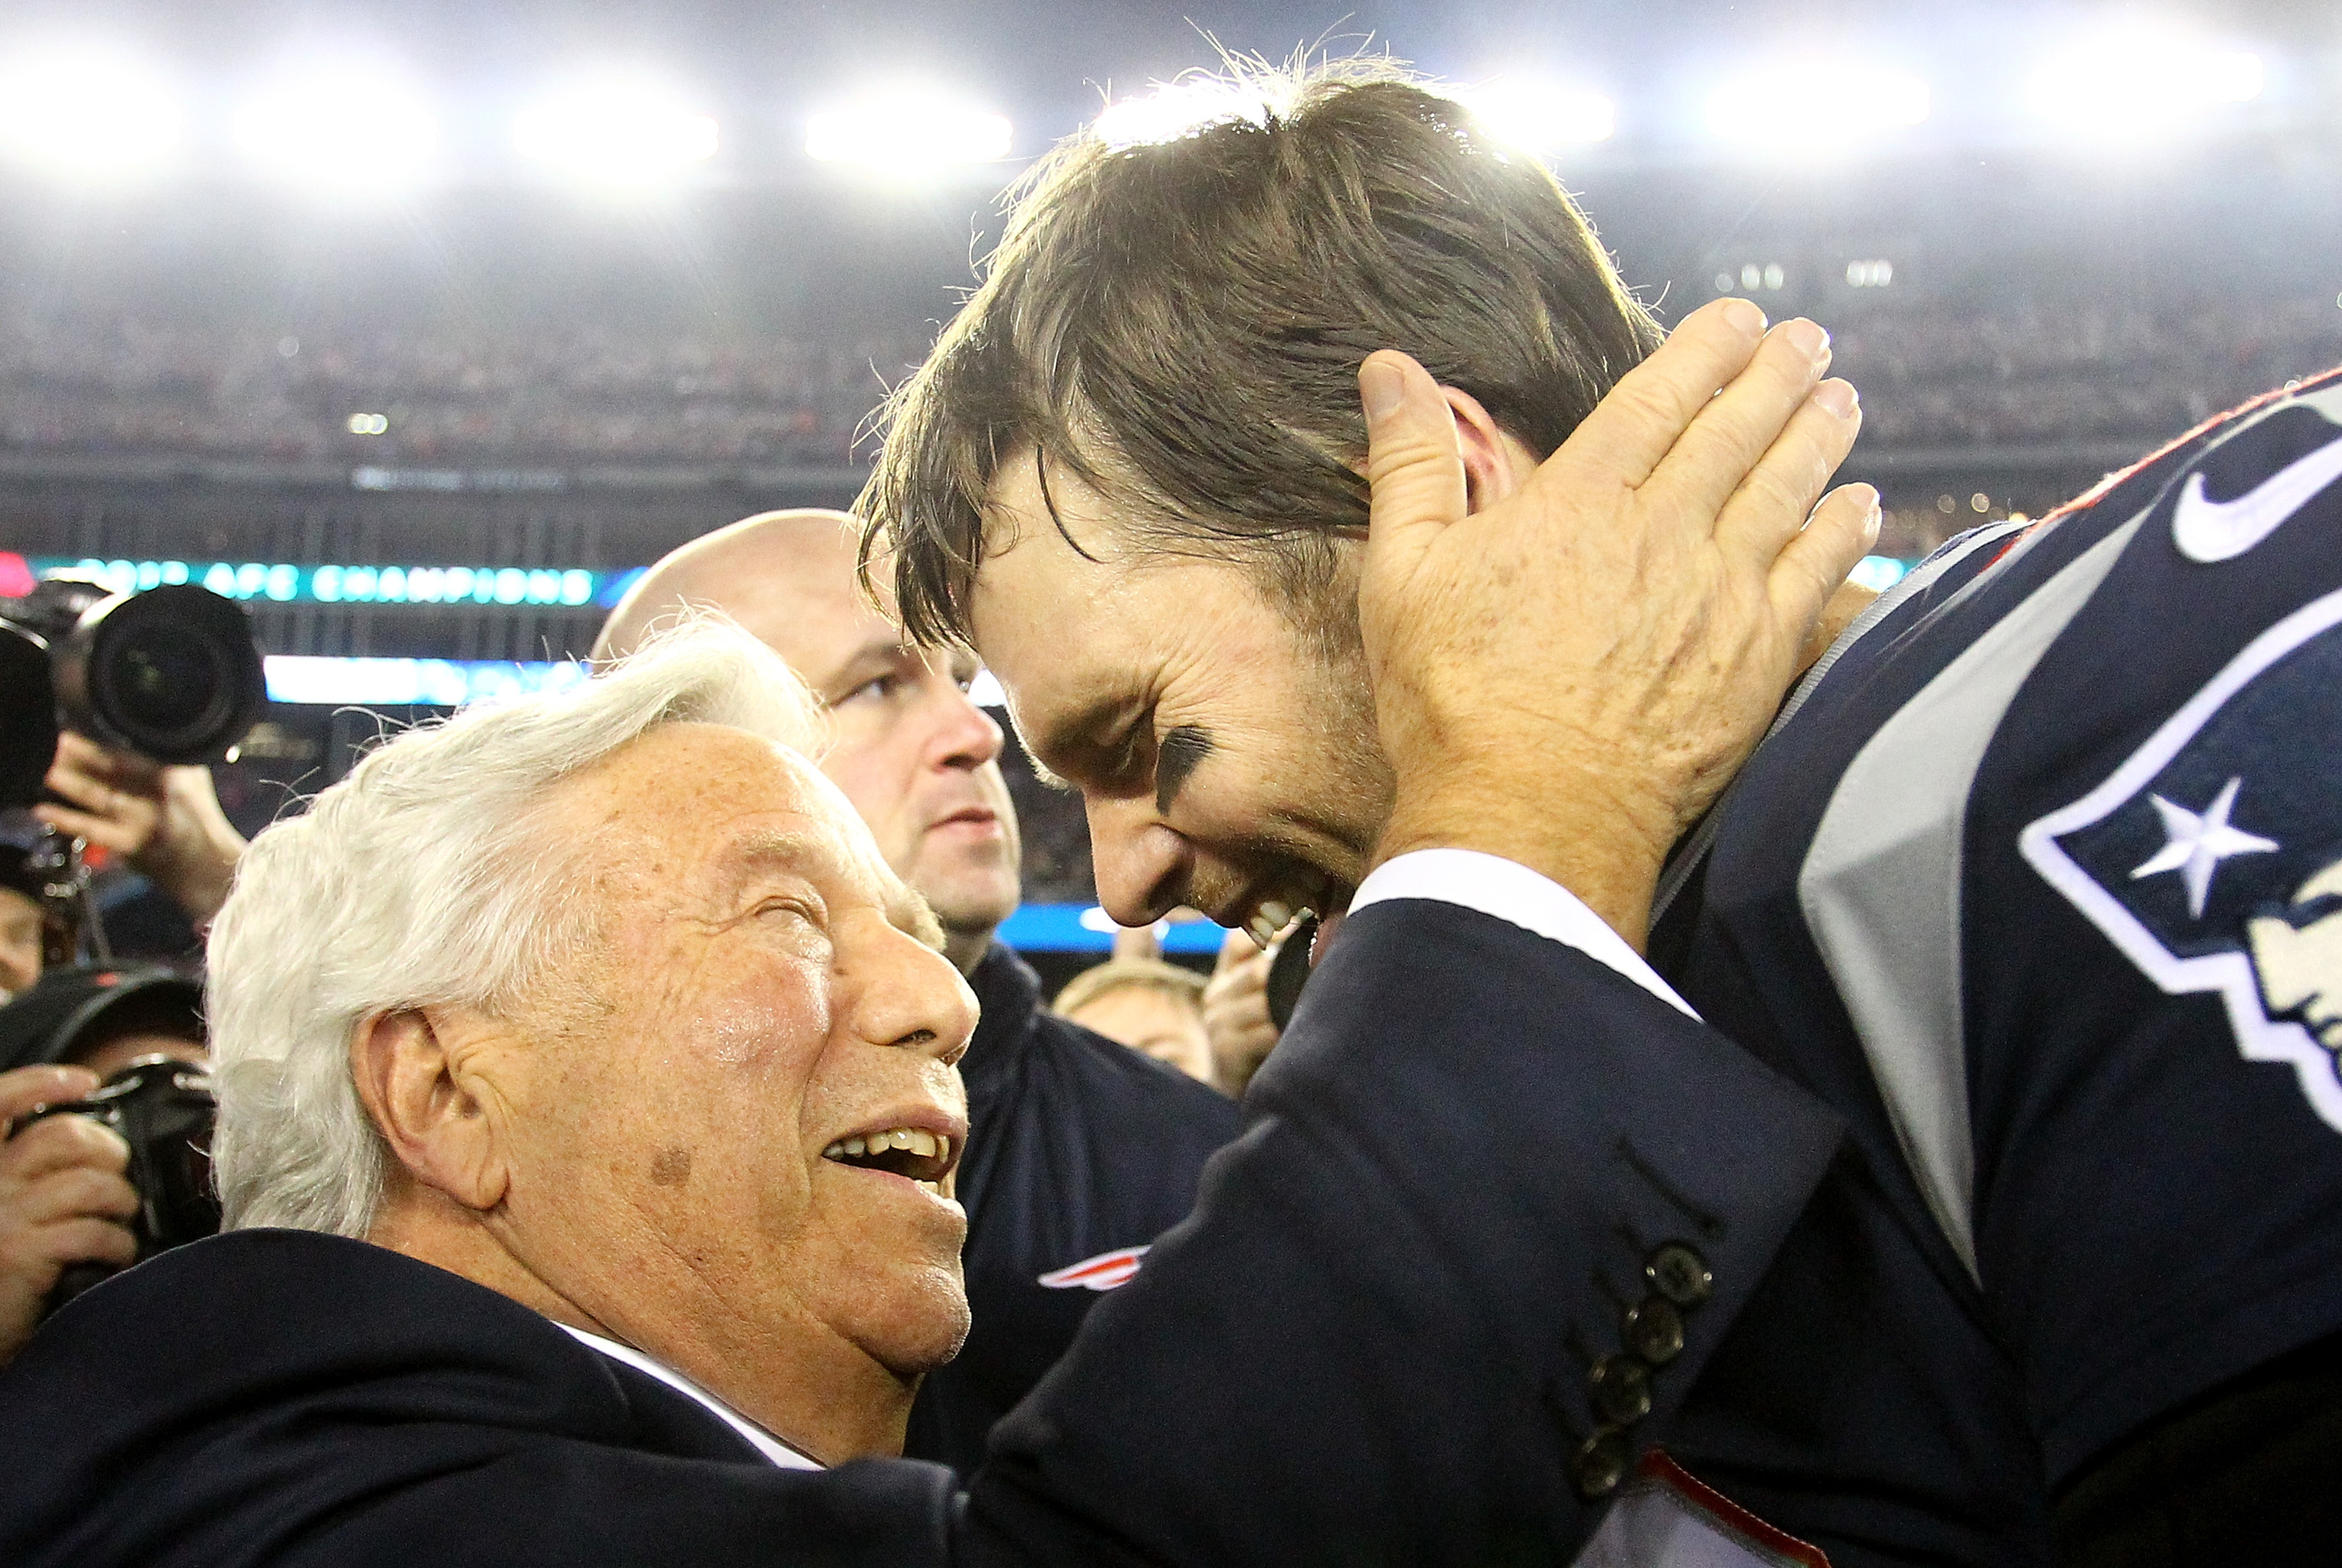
1511,891
763,1441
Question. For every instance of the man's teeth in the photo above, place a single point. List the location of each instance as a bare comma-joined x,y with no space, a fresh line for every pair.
916,1140
1271,918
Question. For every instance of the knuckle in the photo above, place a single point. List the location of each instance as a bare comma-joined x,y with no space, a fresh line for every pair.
1650,400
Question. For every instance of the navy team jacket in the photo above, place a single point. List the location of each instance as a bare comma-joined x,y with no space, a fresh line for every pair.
1080,1152
2037,889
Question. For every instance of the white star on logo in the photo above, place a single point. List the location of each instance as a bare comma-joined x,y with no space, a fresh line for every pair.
2196,843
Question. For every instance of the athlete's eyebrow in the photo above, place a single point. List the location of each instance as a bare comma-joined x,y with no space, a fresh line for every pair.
1182,747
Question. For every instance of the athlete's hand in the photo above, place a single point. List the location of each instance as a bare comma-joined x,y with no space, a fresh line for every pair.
1235,1011
165,822
63,1196
1569,675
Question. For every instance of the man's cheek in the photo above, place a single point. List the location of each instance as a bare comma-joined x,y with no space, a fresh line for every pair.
774,1031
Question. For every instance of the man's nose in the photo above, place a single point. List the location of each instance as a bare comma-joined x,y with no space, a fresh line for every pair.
1143,866
909,996
965,735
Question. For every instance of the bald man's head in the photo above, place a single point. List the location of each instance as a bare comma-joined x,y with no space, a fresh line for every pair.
917,759
769,573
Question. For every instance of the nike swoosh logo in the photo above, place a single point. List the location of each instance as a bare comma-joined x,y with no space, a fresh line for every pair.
2210,531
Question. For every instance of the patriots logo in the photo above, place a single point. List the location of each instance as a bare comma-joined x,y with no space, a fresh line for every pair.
1102,1272
2213,857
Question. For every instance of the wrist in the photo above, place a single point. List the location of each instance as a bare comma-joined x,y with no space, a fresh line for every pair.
196,869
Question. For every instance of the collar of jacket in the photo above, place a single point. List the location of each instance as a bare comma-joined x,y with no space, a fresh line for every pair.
1008,994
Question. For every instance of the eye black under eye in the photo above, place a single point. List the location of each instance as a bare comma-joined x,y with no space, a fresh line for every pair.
1175,757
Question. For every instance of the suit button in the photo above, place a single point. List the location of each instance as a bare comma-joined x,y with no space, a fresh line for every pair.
1679,1274
1653,1329
1622,1390
1599,1464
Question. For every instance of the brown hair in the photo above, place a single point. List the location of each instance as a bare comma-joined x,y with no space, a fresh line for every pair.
1179,326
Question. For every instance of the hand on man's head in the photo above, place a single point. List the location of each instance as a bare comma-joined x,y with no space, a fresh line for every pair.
1610,641
63,1195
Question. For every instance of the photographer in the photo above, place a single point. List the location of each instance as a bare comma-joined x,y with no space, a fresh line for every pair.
107,700
65,1196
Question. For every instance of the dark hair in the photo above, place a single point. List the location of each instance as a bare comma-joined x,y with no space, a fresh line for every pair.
1179,326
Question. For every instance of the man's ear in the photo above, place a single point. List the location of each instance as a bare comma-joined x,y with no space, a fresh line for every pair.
1495,463
426,1108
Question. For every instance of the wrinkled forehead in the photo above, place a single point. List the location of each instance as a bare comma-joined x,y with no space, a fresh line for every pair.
702,811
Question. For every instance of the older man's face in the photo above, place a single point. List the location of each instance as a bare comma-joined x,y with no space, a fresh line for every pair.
731,1136
919,761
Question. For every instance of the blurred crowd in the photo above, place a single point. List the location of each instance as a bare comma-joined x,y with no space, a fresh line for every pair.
2032,372
590,394
1933,372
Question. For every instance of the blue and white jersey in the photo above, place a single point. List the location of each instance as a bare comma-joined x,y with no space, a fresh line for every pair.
2040,888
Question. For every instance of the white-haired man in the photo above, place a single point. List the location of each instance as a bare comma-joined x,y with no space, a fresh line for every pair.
1080,1153
599,1074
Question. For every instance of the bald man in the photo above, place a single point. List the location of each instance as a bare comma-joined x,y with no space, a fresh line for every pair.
1080,1151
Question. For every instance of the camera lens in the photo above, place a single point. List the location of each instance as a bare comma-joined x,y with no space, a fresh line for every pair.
171,673
161,675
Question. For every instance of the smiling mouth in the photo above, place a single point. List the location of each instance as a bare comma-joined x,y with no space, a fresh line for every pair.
1275,911
912,1152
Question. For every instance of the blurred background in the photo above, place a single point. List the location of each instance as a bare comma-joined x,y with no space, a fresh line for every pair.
419,327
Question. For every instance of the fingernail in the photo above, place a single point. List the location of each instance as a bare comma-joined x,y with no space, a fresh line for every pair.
1745,317
1875,517
1837,398
1382,385
1807,338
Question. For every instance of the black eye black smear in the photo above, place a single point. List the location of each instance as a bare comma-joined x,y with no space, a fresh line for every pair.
1181,749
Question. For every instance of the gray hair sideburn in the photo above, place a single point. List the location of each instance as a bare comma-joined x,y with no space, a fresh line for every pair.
422,879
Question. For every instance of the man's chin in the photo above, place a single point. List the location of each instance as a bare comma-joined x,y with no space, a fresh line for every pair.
925,1327
969,906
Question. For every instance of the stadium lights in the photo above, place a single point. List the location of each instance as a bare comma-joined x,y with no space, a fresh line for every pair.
614,131
2140,85
1815,108
907,133
351,129
1171,110
84,115
1541,119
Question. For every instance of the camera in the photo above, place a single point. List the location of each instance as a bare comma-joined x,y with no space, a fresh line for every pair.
164,1108
171,673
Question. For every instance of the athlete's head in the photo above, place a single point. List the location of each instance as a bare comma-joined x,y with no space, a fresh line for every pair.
917,759
2298,956
1128,475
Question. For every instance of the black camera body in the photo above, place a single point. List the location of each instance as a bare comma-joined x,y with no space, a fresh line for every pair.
164,1108
171,673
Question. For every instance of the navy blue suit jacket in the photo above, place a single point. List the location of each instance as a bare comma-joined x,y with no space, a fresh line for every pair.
1369,1344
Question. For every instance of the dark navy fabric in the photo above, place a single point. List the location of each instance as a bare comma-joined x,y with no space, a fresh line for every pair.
1078,1145
1366,1345
283,1398
2158,1145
